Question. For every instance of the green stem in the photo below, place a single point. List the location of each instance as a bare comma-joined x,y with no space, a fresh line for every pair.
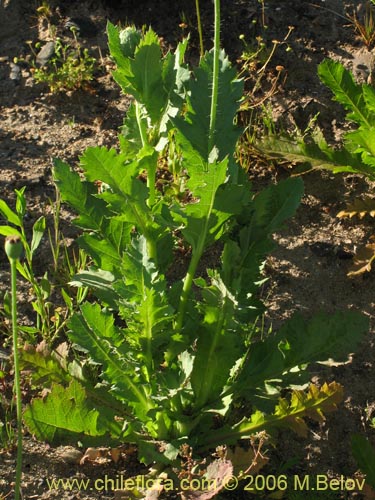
215,78
151,179
17,381
188,282
200,32
151,176
197,254
151,170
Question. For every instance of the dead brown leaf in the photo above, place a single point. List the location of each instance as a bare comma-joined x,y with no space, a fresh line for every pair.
362,261
359,208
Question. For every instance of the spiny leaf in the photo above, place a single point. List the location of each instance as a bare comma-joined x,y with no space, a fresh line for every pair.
369,97
153,80
146,80
299,342
100,250
358,154
364,454
108,166
217,341
94,331
362,142
107,246
311,405
313,155
244,254
363,259
346,91
130,137
360,207
289,414
143,304
100,281
126,194
202,221
66,410
195,127
79,195
43,365
277,203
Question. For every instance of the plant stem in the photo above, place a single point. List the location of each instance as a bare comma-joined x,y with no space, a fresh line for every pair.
17,381
151,170
200,32
188,281
197,254
215,78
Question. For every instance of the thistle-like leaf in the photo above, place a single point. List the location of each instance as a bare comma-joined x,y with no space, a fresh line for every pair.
202,221
153,80
313,154
277,203
101,282
66,414
369,97
94,331
44,366
362,142
80,196
217,341
300,342
195,125
358,154
360,208
126,194
289,414
130,138
347,92
245,252
144,306
364,454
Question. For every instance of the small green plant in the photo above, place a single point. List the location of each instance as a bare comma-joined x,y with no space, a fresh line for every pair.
71,68
365,28
14,250
44,15
255,67
16,226
357,155
50,319
175,347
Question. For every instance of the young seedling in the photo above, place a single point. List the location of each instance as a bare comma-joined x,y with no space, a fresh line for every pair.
365,28
13,249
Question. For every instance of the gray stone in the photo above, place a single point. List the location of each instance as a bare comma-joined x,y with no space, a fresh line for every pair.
45,53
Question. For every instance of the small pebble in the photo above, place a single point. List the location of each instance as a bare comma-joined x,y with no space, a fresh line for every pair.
15,72
71,455
45,53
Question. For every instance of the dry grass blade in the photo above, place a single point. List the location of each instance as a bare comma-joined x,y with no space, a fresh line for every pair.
365,29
